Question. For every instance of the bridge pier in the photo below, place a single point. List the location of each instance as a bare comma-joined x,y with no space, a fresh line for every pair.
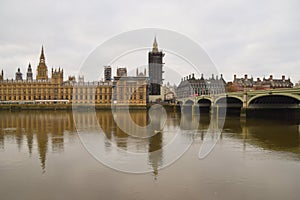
244,107
195,109
243,113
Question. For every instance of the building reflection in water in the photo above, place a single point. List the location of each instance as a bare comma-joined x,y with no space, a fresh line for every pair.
152,145
38,127
45,132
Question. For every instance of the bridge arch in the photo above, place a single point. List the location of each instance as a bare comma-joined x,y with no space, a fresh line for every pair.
204,97
230,99
204,105
230,105
179,103
281,97
189,102
204,101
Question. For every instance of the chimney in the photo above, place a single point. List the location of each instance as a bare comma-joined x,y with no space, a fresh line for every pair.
246,76
234,77
193,75
283,77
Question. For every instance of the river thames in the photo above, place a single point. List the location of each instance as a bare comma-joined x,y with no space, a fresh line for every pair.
43,157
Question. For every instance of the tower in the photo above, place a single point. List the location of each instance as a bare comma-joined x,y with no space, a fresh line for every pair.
121,72
19,75
107,73
29,76
57,76
1,76
155,65
42,71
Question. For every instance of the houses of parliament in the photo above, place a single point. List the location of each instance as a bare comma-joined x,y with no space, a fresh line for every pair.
121,90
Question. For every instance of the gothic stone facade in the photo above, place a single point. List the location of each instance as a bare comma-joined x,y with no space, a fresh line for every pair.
47,90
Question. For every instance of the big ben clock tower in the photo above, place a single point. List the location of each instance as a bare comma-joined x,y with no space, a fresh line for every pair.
155,64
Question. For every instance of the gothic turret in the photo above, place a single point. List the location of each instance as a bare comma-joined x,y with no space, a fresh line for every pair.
57,76
1,76
29,76
19,75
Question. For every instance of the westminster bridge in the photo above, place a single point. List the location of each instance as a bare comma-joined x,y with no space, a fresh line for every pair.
287,99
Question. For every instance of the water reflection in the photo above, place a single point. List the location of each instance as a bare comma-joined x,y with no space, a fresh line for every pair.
46,132
36,128
268,134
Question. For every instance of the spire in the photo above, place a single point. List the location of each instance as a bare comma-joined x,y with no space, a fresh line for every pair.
29,68
42,57
42,53
155,45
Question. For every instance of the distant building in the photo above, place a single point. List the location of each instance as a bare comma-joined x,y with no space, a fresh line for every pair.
169,93
191,86
246,83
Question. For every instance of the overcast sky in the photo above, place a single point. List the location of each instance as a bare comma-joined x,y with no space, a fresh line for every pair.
257,37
